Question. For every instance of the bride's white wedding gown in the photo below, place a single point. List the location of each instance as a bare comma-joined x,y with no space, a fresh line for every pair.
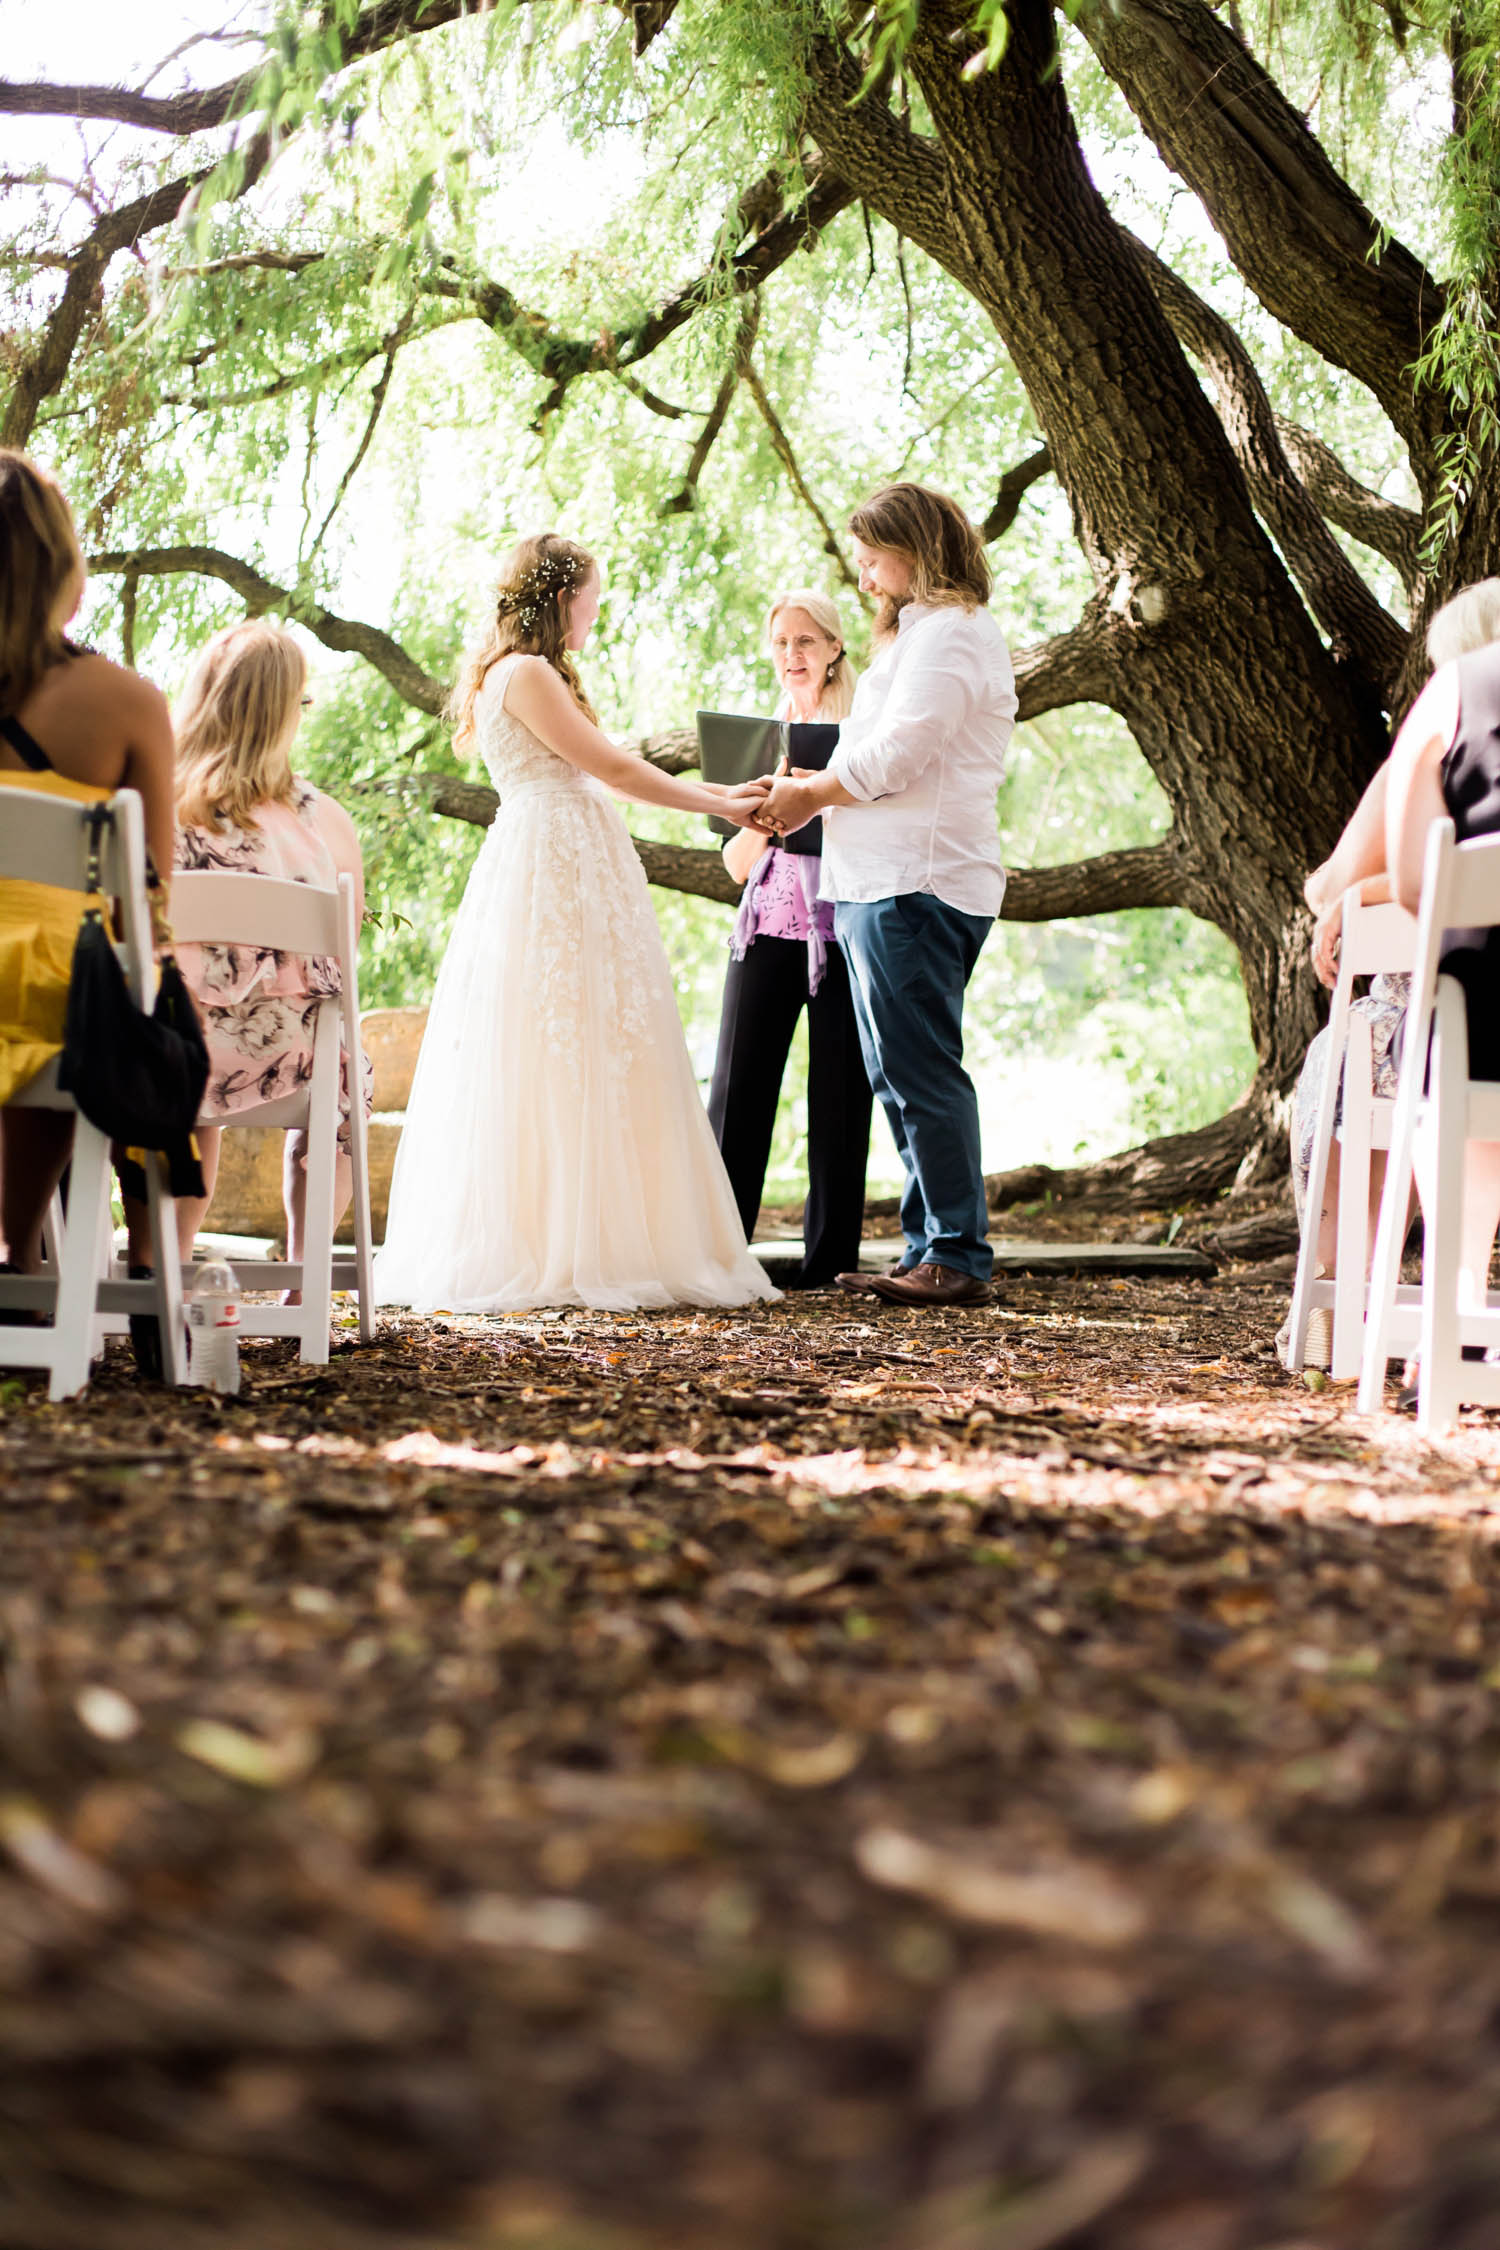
556,1150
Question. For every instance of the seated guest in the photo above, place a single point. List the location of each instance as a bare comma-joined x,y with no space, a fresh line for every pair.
784,957
1446,764
73,726
1471,621
242,810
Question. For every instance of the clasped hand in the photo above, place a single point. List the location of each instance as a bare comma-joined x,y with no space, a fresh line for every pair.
743,801
773,804
788,803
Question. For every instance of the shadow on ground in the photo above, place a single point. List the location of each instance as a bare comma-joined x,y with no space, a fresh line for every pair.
770,1782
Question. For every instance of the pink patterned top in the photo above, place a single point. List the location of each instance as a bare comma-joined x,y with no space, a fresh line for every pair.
258,1006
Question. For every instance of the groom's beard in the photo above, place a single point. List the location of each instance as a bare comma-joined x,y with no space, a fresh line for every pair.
888,609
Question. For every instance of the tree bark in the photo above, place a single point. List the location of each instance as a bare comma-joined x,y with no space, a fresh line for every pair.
1355,622
1382,525
1313,253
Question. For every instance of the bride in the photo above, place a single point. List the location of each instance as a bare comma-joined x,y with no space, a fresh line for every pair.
556,1150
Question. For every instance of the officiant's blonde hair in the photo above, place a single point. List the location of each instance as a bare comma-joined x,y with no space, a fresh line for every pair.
538,579
838,685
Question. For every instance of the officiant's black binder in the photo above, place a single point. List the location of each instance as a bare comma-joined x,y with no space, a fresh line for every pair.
733,748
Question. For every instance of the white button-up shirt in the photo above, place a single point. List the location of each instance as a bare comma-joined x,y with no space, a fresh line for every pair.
923,749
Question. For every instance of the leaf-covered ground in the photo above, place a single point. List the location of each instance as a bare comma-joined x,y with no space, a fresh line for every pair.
810,1779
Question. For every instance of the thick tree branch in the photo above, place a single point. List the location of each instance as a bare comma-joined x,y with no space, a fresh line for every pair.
194,112
898,172
1358,625
1014,486
200,110
260,594
1382,525
1081,665
675,867
1071,668
1147,875
1307,245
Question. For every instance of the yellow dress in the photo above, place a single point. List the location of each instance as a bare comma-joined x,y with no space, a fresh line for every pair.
38,926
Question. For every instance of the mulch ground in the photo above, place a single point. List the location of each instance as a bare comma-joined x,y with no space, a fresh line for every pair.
788,1781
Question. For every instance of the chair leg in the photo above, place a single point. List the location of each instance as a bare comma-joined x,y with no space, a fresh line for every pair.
1317,1181
81,1268
106,1266
53,1229
364,1249
317,1219
1350,1278
1440,1174
168,1284
1390,1234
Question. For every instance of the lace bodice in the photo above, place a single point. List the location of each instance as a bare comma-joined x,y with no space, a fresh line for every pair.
514,758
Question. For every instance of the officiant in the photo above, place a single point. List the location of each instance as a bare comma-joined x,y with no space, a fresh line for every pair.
784,957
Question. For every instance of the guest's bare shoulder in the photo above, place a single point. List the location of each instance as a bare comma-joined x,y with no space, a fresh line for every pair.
93,682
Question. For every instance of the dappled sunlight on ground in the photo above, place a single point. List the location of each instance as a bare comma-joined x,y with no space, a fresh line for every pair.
761,1782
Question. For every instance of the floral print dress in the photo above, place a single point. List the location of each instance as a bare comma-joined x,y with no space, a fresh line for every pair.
259,1005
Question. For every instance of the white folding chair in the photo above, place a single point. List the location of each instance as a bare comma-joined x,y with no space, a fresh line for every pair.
1373,940
1438,1108
43,839
259,910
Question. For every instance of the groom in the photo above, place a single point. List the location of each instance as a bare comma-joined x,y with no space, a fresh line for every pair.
914,866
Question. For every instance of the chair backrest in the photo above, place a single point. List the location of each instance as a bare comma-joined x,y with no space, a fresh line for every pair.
1376,940
1471,884
44,839
1460,890
222,908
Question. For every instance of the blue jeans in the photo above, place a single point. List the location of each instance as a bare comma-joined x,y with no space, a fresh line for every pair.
910,959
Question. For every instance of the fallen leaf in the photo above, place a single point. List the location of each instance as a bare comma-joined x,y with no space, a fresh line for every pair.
1073,1900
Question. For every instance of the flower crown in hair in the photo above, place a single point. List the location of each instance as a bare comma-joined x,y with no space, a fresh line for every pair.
525,601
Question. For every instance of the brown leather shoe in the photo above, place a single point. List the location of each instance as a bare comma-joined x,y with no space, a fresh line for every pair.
863,1284
931,1285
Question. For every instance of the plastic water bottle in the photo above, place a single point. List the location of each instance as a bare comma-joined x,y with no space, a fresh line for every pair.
214,1329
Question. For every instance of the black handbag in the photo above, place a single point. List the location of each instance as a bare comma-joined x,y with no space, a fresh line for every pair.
138,1078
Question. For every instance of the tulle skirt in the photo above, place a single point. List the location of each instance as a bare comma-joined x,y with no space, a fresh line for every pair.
556,1150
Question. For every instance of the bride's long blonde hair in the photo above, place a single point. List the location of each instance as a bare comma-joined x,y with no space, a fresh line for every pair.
538,579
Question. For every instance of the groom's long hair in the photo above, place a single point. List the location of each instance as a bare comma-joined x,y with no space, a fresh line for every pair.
530,616
949,567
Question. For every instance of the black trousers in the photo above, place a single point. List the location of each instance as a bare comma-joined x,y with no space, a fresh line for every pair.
763,996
